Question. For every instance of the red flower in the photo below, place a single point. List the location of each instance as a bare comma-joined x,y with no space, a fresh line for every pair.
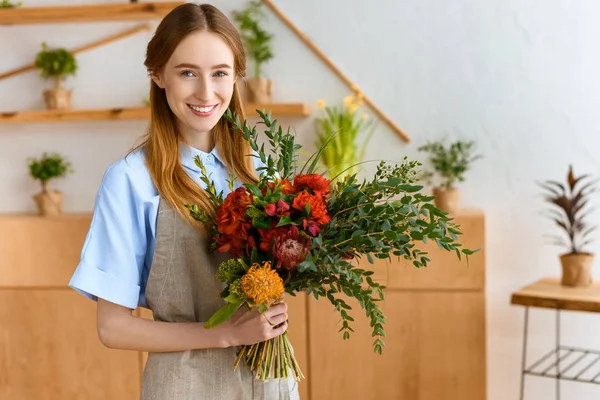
317,183
290,249
267,236
233,224
270,210
285,186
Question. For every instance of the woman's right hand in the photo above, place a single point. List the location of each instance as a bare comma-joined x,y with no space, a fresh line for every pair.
249,327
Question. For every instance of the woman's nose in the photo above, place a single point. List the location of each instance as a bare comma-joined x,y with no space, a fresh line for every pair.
203,90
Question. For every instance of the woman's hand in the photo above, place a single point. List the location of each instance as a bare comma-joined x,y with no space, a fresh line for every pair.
249,327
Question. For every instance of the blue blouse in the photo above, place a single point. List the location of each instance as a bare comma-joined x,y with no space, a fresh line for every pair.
119,247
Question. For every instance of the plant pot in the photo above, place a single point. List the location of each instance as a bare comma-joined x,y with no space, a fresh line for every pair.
447,200
58,99
258,90
576,269
49,203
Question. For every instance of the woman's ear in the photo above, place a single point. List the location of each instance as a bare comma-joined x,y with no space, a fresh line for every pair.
156,78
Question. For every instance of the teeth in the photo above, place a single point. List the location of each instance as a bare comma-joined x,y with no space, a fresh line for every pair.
201,109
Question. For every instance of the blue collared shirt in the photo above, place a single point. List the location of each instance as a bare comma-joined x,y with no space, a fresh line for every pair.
119,247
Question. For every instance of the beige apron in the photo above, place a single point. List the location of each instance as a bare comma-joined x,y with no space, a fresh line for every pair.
182,288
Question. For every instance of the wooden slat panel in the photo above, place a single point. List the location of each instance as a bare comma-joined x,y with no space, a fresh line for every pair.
435,350
37,251
297,333
549,293
49,350
444,271
86,13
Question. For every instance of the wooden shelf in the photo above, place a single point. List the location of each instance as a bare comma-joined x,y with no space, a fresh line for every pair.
277,110
88,13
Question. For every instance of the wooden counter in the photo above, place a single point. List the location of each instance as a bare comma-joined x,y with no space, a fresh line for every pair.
435,326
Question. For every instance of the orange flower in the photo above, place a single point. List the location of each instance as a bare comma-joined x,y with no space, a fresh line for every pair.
317,183
318,209
233,224
262,284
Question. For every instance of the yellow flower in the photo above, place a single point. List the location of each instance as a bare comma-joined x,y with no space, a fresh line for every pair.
320,103
348,100
365,116
262,284
353,107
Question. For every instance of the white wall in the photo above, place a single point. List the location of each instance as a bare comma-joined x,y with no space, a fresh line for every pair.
518,77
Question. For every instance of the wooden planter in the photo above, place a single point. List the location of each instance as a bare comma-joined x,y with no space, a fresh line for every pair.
576,269
447,200
258,90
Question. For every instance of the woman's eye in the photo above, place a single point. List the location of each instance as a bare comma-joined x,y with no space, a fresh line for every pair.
187,73
220,74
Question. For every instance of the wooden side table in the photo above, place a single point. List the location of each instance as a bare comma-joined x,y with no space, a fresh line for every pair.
562,362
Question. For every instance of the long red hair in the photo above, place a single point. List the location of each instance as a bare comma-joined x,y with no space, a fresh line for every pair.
161,144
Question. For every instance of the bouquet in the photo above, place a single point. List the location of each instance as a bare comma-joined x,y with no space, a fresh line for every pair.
296,230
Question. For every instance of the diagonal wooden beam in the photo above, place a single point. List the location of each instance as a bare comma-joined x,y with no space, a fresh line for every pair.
335,69
86,47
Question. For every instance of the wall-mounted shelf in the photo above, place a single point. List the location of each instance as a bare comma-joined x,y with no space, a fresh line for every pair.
86,13
42,116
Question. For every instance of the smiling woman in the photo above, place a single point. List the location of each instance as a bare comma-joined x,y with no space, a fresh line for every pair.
198,81
143,247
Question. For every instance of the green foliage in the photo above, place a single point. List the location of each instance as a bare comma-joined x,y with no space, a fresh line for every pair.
48,167
569,210
57,63
338,133
10,4
257,41
450,163
230,270
383,217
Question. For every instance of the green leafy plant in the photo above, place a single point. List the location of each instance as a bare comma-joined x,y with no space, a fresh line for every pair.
569,211
10,4
55,64
257,41
449,163
338,134
48,167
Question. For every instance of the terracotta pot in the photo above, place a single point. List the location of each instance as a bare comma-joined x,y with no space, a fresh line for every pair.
258,90
447,200
49,203
576,269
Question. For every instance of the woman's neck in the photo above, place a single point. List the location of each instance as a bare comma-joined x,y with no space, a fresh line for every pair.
199,140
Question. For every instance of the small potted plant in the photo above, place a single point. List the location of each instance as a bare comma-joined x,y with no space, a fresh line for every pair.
50,166
258,46
10,4
570,214
450,164
340,128
56,64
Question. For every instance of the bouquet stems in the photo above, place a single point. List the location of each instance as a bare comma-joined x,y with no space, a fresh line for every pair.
273,358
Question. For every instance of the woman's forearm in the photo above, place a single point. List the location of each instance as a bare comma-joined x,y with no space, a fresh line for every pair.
118,329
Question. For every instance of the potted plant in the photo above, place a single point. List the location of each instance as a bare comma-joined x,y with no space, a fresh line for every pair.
50,166
257,43
450,164
340,128
10,4
56,64
569,213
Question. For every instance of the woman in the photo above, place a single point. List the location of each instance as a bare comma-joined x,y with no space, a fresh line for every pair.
144,249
